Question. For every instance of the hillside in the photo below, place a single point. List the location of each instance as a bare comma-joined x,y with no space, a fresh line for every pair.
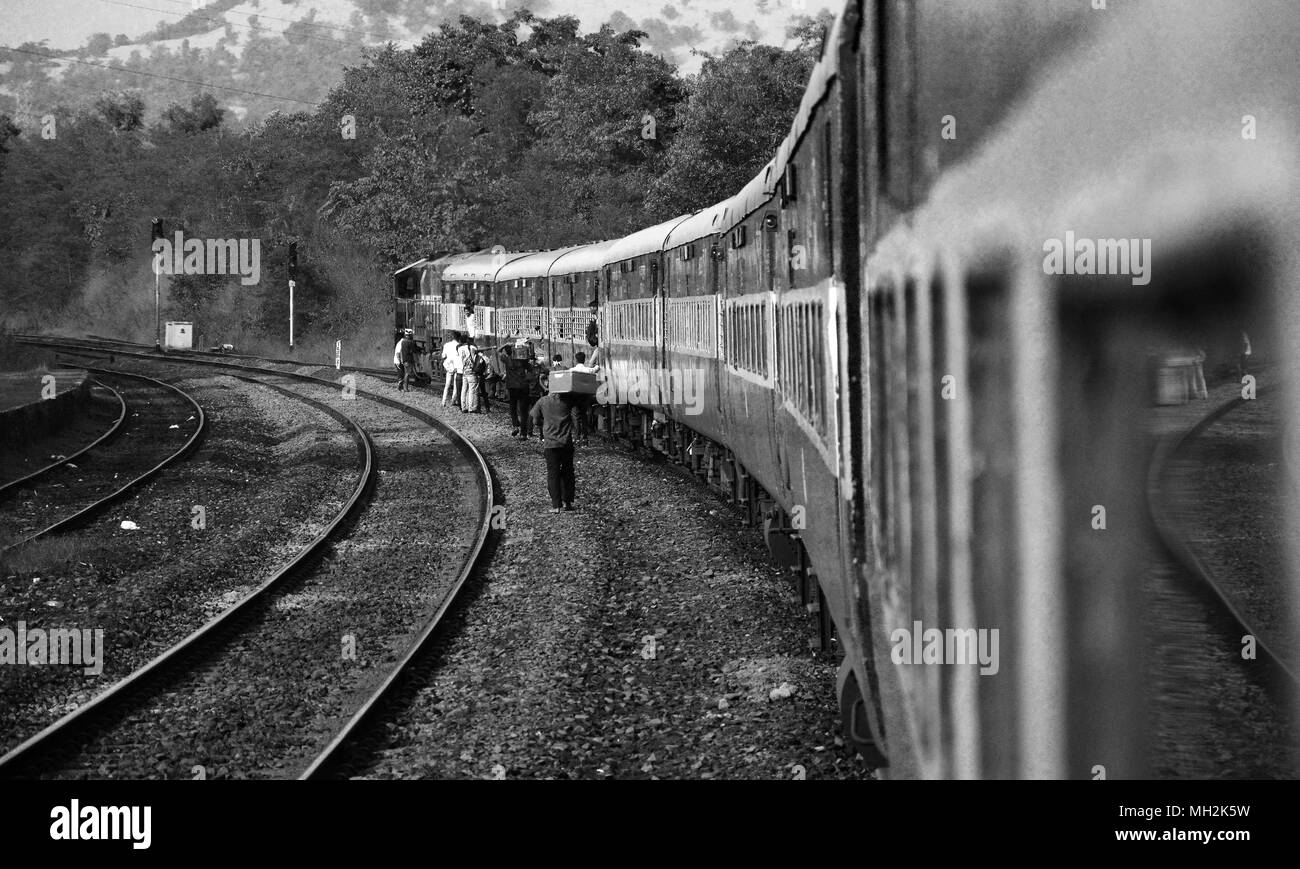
257,56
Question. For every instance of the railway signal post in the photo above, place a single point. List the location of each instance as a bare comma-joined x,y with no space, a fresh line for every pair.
293,271
156,233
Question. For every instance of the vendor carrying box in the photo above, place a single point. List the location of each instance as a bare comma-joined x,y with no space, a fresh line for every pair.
577,382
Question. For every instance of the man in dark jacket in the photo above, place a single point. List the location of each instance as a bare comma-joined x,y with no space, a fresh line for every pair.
555,416
518,367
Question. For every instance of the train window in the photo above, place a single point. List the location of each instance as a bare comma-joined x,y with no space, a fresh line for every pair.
692,325
895,91
745,336
796,356
802,360
883,114
817,397
630,321
829,192
789,185
738,236
882,333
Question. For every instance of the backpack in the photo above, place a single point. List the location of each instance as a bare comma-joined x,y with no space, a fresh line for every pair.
476,365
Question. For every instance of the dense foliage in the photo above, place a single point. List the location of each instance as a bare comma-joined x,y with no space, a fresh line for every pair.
527,134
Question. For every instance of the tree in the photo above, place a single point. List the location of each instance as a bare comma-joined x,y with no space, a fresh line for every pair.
416,194
122,110
192,293
98,45
809,32
740,108
203,114
609,112
7,132
449,60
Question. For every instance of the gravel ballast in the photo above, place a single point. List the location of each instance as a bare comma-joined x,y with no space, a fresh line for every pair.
548,669
265,700
268,475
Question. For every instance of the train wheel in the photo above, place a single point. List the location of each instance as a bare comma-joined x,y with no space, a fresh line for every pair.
862,727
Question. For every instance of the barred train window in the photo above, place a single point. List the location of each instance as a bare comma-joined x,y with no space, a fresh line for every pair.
692,325
631,321
526,321
803,360
746,326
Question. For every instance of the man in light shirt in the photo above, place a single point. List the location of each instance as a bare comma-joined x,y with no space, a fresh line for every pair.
580,364
451,369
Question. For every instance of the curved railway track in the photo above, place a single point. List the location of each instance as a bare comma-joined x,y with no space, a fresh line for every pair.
36,753
1214,712
1189,561
101,341
41,752
26,480
115,458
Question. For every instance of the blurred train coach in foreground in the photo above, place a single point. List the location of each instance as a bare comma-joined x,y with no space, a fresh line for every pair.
914,347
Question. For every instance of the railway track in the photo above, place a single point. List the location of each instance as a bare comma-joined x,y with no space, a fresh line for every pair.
241,644
26,480
43,751
101,341
133,452
1214,711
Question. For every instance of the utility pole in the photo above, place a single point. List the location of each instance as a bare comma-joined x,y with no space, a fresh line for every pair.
156,229
293,271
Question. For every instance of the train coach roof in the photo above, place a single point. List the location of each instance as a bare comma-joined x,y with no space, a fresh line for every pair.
819,82
585,258
699,225
761,187
648,240
750,198
447,259
481,266
415,265
532,265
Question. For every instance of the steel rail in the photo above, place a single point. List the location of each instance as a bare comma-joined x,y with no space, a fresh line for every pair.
77,721
334,750
1182,553
95,508
13,485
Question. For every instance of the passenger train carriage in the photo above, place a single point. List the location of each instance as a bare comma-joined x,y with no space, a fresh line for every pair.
864,349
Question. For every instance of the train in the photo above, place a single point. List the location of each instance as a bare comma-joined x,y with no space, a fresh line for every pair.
910,347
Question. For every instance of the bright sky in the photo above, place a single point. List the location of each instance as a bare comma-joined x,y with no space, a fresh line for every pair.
68,23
